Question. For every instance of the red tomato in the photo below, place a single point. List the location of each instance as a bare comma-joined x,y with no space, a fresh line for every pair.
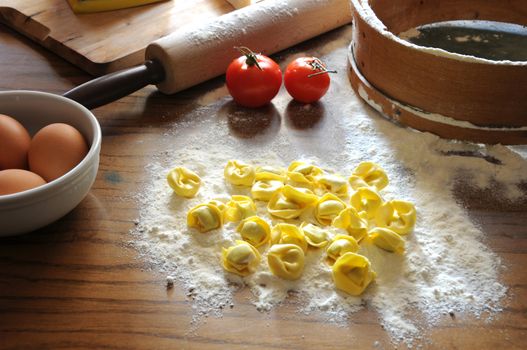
253,80
307,79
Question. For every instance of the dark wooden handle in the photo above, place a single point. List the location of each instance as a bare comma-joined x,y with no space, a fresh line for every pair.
111,87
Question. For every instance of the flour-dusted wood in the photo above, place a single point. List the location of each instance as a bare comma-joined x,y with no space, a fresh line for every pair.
78,284
106,41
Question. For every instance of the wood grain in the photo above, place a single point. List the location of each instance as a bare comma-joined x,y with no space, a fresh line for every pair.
77,284
483,93
106,41
412,117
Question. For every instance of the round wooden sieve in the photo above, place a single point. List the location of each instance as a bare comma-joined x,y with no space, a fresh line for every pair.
452,95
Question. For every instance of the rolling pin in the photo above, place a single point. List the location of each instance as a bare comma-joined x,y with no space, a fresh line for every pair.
201,52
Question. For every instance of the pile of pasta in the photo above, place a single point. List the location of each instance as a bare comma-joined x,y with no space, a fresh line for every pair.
352,204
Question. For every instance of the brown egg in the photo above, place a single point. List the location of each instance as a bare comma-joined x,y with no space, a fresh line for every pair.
55,150
14,144
18,180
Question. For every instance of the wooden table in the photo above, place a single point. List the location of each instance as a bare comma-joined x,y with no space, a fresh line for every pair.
77,284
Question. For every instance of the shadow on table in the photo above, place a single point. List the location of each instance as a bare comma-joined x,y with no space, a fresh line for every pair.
249,122
304,116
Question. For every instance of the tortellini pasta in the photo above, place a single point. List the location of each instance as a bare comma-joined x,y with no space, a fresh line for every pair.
254,230
269,173
239,208
204,217
294,193
327,208
286,261
241,259
282,207
219,204
357,182
352,273
288,234
350,220
303,173
387,239
333,184
263,190
289,202
366,200
315,236
370,174
184,182
300,195
340,245
238,173
396,215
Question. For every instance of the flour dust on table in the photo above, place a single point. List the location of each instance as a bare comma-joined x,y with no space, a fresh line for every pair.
447,268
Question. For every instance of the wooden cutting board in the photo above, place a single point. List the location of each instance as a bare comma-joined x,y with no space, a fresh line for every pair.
104,42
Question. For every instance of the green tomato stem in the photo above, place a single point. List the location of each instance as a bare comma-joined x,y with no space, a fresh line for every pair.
251,60
317,64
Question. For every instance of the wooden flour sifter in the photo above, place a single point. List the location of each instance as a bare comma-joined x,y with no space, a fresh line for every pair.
190,56
451,95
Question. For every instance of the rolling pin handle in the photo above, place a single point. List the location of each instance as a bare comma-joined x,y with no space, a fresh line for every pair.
111,87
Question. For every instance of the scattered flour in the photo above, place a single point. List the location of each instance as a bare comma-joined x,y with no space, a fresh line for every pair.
467,38
411,33
447,267
213,96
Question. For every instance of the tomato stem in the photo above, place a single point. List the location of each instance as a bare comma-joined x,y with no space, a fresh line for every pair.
320,67
251,60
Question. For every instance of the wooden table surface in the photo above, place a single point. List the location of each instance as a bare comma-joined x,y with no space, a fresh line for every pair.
77,284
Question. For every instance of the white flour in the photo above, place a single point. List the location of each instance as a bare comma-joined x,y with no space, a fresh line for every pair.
447,267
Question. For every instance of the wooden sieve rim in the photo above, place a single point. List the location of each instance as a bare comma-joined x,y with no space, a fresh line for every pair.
420,120
484,93
366,8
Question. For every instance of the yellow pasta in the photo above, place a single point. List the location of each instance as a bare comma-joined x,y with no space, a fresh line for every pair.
303,173
286,261
387,239
254,230
315,236
366,200
288,234
288,193
239,208
263,190
282,207
333,184
219,204
184,182
204,217
370,174
340,245
241,259
289,202
350,220
396,215
352,273
327,208
300,195
269,173
357,182
238,173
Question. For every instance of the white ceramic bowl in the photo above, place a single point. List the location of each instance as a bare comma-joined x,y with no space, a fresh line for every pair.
32,209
